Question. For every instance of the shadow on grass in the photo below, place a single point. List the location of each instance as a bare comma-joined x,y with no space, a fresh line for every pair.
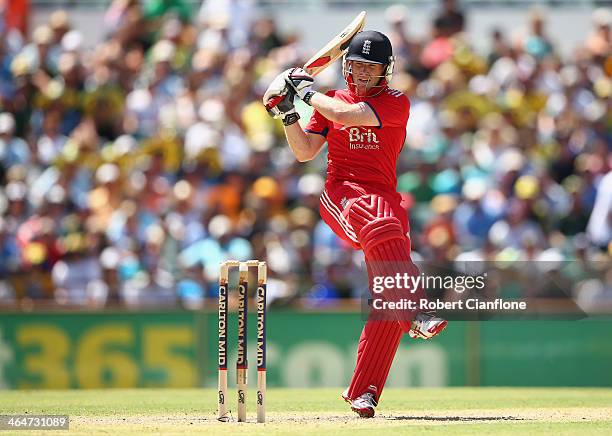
454,418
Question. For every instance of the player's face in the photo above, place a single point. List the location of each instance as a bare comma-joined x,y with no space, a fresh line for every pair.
366,75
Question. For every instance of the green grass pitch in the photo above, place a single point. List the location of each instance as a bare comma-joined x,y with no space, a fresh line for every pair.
320,411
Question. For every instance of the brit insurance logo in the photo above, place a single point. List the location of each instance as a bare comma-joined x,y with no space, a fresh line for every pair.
366,46
361,138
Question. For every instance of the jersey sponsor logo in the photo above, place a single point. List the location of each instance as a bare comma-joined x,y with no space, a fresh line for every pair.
366,46
361,138
364,147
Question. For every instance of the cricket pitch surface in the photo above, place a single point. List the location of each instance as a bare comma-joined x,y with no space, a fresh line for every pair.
321,411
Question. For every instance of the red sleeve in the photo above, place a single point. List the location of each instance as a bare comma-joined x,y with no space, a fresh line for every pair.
318,123
392,108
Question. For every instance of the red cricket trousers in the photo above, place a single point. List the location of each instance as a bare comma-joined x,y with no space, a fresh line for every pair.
380,338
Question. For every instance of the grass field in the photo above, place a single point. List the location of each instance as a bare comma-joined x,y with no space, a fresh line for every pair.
319,411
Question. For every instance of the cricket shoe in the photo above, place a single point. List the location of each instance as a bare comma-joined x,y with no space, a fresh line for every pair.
426,326
345,397
364,404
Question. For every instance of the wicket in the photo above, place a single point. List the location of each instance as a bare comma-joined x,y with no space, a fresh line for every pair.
241,361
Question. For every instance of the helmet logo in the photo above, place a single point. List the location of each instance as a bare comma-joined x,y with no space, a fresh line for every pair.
366,47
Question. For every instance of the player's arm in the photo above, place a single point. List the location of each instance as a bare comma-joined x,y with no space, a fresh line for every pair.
347,114
304,145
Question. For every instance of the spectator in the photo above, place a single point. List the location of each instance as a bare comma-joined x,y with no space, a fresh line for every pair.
452,15
499,46
130,169
16,14
600,40
13,150
535,41
600,224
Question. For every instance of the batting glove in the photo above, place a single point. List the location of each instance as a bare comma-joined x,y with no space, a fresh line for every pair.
278,100
301,82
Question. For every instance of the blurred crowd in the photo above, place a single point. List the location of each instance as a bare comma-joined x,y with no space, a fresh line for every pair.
130,169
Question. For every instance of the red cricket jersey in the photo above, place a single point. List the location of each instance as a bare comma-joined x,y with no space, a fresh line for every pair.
365,155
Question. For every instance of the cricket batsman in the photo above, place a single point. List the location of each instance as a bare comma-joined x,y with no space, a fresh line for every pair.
364,126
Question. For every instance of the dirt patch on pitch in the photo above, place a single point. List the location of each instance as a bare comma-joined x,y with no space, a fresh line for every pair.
577,414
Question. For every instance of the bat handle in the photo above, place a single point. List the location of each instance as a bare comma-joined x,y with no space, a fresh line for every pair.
274,101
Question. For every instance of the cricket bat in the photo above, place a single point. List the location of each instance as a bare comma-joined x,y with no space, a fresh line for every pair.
330,52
